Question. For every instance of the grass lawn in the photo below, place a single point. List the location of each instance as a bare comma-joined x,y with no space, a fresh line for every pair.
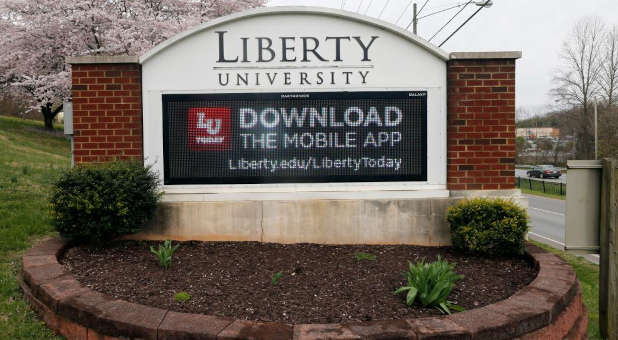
588,275
29,161
540,193
541,187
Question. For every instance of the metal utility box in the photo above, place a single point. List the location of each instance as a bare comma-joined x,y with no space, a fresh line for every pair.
68,117
583,206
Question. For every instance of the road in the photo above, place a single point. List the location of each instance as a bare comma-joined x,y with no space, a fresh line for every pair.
522,173
547,217
547,220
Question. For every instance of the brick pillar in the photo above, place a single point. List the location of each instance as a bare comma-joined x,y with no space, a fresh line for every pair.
107,109
481,121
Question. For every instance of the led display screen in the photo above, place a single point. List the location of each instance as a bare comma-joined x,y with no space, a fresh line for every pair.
295,137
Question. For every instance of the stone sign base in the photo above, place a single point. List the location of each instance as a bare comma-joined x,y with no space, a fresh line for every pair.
419,221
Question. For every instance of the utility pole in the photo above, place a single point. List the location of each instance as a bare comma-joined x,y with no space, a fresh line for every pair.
414,18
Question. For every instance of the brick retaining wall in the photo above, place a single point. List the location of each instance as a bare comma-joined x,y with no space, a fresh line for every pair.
549,308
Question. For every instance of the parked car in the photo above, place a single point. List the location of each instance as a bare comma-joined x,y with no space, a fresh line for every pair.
544,171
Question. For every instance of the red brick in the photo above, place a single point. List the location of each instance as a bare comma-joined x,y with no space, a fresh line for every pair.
133,152
438,328
323,331
391,329
87,81
191,326
121,318
114,152
243,329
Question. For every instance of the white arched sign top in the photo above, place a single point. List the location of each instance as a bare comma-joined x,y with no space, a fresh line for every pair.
278,10
297,51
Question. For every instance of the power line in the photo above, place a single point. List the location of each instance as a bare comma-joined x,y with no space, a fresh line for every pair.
386,5
430,14
451,19
414,19
440,11
360,4
404,11
342,4
465,22
367,9
420,10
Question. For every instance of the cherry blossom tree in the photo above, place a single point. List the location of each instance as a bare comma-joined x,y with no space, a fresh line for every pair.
38,34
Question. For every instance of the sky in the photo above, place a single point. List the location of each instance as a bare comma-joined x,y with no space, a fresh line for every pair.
538,28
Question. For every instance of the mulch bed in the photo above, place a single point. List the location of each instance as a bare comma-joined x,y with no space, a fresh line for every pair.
320,283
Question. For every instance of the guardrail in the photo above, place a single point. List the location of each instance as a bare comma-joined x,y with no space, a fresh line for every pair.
554,188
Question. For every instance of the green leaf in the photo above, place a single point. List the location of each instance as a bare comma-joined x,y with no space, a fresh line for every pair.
359,256
401,290
436,291
411,296
444,308
276,277
456,308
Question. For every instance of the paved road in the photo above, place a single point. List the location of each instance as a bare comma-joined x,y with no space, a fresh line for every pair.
547,218
522,173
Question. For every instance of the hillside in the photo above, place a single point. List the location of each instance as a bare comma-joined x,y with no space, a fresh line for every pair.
29,162
552,119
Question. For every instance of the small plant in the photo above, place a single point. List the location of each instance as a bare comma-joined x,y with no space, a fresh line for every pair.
493,227
364,256
25,170
276,277
165,252
182,296
431,284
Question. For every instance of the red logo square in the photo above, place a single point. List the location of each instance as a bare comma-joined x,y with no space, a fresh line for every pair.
208,128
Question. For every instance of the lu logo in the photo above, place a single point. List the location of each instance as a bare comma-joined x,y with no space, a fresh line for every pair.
208,125
209,128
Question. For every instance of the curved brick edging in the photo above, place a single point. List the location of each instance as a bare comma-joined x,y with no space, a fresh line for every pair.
549,308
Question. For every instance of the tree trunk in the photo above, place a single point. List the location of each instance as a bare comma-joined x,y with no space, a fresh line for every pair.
584,145
49,115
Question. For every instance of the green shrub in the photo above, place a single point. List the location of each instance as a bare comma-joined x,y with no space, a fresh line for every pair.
182,296
97,203
165,253
494,227
431,284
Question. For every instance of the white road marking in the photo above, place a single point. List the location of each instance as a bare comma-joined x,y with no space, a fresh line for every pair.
546,238
593,258
547,211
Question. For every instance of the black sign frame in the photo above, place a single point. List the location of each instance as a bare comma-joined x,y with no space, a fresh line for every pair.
282,96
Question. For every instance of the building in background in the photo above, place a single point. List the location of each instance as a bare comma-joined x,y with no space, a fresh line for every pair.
538,132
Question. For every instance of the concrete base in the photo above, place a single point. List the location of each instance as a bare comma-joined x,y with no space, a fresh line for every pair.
513,194
328,221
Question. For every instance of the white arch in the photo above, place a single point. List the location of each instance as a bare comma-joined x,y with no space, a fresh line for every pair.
264,11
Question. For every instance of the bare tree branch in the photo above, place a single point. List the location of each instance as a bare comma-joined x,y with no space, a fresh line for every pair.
577,81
